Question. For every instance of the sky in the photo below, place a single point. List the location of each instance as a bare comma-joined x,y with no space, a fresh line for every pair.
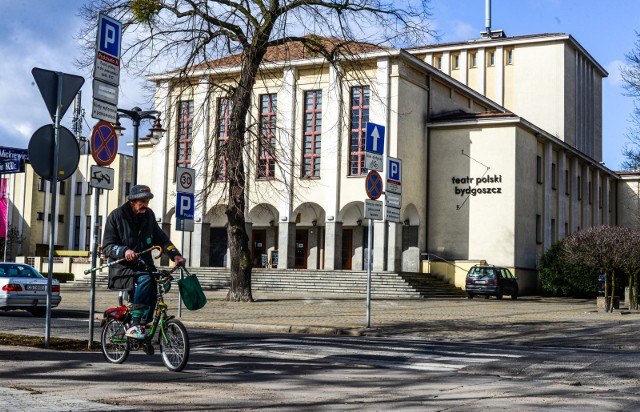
42,33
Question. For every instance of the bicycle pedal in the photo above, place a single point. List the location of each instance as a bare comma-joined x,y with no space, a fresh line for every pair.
148,348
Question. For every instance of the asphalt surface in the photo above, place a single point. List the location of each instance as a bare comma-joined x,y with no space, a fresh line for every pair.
529,321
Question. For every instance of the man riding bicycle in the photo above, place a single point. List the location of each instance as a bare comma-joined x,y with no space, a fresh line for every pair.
130,229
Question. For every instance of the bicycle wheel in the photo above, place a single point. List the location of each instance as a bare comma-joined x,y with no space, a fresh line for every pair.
115,345
174,345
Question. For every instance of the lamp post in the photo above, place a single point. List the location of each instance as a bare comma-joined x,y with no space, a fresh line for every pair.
137,115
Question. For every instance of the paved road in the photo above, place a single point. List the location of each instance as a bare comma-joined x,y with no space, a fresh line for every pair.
246,371
533,353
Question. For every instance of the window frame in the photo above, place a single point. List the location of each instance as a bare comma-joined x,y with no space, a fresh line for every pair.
357,156
265,166
314,155
184,134
223,120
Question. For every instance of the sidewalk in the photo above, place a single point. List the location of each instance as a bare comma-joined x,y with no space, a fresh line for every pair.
528,320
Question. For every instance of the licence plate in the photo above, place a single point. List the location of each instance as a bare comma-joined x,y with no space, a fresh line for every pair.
34,287
481,282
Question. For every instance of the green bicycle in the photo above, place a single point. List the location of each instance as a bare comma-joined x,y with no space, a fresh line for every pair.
172,335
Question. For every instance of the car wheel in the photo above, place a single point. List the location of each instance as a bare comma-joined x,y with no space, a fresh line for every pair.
499,297
38,312
469,295
487,296
514,296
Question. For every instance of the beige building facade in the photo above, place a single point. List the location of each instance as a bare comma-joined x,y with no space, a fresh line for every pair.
29,207
500,141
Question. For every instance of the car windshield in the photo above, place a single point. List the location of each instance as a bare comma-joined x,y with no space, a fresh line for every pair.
481,272
19,271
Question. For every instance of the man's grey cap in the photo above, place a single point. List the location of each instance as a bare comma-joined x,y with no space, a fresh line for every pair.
138,192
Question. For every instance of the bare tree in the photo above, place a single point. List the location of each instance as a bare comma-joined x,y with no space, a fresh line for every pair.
629,243
599,248
182,35
631,77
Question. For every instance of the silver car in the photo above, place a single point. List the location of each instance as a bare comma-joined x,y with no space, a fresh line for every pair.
23,287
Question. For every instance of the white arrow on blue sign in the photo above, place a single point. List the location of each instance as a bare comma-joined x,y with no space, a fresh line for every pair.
185,206
374,138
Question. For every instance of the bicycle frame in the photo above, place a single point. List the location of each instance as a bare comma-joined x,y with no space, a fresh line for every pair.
123,314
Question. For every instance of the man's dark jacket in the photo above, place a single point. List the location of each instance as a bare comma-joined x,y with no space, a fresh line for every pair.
125,230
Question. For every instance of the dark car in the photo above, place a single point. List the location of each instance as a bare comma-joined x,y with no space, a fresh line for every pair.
490,280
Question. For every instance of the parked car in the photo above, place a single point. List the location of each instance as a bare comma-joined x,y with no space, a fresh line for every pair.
23,287
490,280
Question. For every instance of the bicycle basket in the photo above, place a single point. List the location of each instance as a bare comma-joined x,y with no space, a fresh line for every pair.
191,292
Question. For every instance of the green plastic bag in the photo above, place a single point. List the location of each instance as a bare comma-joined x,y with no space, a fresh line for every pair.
191,292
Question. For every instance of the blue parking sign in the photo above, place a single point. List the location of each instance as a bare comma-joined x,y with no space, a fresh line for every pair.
394,171
185,206
109,35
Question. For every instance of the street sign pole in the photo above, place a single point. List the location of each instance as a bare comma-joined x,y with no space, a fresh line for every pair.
94,259
54,191
369,254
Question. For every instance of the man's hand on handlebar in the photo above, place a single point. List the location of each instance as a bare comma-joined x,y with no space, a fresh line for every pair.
130,255
179,260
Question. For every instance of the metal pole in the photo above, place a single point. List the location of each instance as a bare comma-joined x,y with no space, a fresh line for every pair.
181,276
94,258
369,245
134,172
54,190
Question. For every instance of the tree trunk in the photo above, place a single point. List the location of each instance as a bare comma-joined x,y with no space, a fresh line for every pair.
239,251
608,303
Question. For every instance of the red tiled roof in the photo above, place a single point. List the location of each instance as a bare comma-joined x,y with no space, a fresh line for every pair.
295,50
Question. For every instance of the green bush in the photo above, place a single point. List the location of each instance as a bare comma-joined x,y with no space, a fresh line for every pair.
560,278
63,277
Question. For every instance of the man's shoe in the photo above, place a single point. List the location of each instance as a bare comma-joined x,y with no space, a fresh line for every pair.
135,332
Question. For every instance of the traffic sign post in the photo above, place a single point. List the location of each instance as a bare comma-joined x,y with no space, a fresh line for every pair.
394,176
373,185
58,90
102,177
106,69
104,143
185,181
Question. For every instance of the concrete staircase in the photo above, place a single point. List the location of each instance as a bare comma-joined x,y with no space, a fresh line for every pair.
383,284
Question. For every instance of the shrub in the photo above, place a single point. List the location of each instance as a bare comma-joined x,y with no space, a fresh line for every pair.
558,277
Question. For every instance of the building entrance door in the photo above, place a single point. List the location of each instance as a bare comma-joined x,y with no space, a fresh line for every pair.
259,248
218,250
301,250
347,248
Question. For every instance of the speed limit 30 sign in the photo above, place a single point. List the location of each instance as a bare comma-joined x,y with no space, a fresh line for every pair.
185,180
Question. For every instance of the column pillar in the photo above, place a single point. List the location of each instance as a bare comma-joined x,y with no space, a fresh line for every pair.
333,245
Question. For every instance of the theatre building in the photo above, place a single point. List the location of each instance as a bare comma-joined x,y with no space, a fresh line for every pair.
500,141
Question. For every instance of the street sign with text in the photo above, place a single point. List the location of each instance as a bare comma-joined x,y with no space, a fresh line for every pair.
373,209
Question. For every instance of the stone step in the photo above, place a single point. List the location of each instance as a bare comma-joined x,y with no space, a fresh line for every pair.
410,285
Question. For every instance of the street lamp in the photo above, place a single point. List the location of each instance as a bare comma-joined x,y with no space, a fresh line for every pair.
155,133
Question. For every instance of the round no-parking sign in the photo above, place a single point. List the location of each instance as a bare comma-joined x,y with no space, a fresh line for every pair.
373,185
104,143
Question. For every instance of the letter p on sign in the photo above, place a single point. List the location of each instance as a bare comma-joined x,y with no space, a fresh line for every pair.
185,206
